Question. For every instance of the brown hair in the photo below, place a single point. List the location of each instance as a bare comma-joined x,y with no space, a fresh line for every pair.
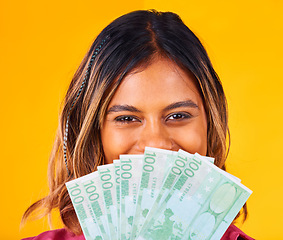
131,41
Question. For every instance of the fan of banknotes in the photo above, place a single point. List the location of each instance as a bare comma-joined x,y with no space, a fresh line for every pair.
161,194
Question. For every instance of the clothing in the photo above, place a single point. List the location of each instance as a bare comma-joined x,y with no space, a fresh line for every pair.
232,233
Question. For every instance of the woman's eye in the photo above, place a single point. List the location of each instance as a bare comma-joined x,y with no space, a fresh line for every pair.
179,116
126,119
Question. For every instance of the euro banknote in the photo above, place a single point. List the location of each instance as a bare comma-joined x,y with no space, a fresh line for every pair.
83,209
201,205
156,164
116,164
130,175
161,194
108,186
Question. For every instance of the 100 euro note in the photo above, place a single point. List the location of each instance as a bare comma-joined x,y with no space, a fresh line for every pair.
156,164
130,174
92,187
97,207
83,209
201,205
117,184
179,163
108,186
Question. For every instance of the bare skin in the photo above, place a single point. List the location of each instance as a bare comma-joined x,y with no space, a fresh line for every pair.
160,107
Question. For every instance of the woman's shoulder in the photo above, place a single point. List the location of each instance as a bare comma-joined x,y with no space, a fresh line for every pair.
234,233
58,234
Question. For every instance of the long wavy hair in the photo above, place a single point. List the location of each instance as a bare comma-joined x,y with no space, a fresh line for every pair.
130,41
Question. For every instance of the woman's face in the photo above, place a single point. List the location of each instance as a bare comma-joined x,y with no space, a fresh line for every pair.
160,107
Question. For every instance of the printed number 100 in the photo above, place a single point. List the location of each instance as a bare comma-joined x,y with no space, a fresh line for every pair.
75,192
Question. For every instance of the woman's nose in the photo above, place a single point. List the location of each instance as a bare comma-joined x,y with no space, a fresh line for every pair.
154,135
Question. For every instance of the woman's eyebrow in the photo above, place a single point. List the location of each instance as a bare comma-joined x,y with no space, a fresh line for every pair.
120,108
187,103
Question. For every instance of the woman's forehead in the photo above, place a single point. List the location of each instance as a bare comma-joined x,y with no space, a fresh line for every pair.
161,80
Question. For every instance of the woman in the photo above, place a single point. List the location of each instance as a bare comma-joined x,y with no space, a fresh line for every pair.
146,81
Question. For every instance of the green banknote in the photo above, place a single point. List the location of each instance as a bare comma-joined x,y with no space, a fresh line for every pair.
108,186
159,195
92,187
179,163
117,185
83,210
201,205
130,174
156,164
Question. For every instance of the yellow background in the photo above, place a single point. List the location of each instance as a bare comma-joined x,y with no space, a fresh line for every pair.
42,44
